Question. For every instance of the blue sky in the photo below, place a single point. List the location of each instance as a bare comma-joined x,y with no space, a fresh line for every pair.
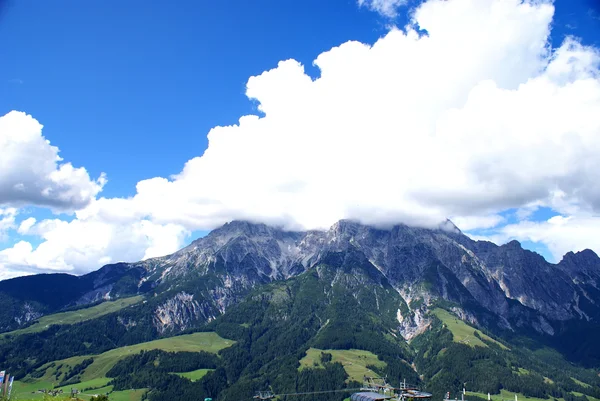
131,88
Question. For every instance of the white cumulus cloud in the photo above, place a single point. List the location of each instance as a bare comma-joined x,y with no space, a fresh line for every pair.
86,244
7,221
477,116
466,223
26,225
32,172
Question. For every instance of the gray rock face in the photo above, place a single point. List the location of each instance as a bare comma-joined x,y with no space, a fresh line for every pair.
582,267
28,314
413,323
421,264
255,250
177,313
525,276
95,295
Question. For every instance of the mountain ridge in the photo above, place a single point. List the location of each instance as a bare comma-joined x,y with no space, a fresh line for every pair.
506,287
278,294
252,253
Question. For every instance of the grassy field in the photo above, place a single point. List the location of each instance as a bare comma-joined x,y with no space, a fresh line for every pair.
95,374
354,361
77,316
507,396
195,374
209,342
96,384
127,395
580,382
23,390
462,332
588,396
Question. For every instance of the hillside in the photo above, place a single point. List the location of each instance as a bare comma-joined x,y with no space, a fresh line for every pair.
76,316
319,310
26,299
90,371
462,332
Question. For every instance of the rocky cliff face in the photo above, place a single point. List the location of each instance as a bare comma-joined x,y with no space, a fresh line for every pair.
27,314
178,313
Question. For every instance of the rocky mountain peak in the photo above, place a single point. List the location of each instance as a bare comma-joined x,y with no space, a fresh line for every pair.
238,227
586,258
584,269
513,245
344,230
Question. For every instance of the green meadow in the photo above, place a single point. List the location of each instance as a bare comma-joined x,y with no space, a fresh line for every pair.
354,361
77,316
462,332
94,377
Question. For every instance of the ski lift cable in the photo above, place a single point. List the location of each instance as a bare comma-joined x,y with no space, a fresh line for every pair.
320,392
270,396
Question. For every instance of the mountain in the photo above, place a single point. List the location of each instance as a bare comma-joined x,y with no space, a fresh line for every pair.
26,299
427,303
505,286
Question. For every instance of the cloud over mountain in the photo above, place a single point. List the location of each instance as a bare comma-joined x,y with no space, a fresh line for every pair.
464,113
